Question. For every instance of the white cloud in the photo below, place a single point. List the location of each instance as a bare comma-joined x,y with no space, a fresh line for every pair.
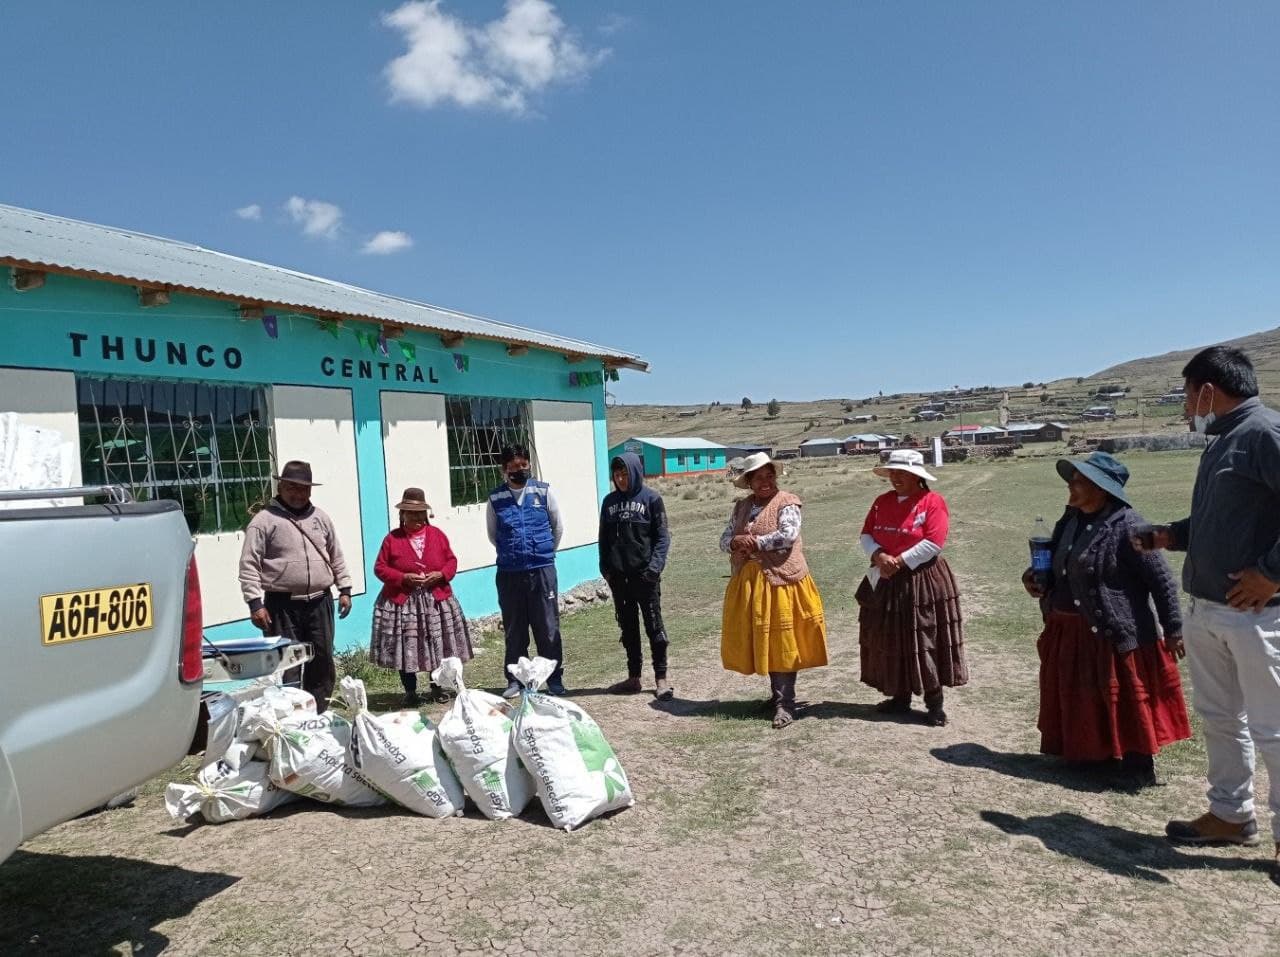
253,211
316,217
387,242
497,65
614,23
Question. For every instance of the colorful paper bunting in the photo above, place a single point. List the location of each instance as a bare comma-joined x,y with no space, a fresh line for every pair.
408,350
272,325
460,362
331,326
382,343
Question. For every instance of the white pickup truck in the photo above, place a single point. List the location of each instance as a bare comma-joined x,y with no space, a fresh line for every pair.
100,645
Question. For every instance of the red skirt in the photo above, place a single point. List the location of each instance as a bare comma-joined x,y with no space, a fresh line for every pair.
1096,703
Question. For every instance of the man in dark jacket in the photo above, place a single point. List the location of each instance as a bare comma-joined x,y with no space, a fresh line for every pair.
633,552
1232,573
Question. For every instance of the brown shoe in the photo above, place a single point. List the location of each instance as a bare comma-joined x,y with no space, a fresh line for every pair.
663,690
630,686
1208,828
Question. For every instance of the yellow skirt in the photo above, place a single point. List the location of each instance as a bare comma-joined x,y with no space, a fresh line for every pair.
771,627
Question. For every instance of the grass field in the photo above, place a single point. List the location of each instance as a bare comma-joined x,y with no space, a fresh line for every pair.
846,833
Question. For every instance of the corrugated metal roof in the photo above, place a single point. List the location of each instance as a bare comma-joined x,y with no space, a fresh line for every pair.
672,442
821,442
37,240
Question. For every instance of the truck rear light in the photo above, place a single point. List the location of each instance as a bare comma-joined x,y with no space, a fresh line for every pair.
191,659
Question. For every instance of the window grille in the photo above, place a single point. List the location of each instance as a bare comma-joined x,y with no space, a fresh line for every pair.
477,429
206,446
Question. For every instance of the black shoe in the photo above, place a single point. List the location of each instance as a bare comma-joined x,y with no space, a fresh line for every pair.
899,705
1139,771
936,718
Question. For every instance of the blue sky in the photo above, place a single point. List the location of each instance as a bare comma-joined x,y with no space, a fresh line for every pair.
794,200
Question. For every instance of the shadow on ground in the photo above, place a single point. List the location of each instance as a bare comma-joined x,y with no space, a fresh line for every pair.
750,710
1117,850
63,904
1031,767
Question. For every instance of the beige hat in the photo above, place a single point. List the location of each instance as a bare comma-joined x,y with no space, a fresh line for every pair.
904,460
753,462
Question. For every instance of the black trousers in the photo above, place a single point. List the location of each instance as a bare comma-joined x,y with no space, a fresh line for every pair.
633,599
530,602
310,621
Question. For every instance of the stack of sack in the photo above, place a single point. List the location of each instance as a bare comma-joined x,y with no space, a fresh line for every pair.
484,748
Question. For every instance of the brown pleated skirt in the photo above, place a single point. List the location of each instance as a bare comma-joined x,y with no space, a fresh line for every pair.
419,634
911,632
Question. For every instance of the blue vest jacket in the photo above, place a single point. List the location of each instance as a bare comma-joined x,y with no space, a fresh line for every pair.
524,536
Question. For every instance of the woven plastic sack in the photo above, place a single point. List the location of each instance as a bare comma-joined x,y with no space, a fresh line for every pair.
577,773
400,754
222,793
310,755
476,736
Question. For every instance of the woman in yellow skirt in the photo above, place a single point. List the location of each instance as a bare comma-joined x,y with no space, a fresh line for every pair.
773,621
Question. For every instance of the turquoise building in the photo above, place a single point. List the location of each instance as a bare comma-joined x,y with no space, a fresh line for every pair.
188,374
676,455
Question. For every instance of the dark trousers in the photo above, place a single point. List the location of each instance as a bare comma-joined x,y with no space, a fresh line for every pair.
530,602
633,599
310,621
782,689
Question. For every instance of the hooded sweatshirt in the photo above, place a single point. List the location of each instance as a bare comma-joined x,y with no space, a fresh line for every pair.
633,525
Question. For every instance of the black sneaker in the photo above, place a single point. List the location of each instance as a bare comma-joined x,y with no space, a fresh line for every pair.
556,689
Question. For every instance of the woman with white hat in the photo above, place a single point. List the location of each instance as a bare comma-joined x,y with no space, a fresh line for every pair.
910,628
773,619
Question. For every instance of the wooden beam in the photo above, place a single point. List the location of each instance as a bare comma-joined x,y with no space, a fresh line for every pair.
392,331
24,280
451,340
572,357
251,313
149,297
516,350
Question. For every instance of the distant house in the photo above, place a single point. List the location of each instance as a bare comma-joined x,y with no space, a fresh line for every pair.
1098,413
977,434
686,413
676,455
1110,395
855,419
1172,397
868,442
929,415
814,448
1038,431
743,449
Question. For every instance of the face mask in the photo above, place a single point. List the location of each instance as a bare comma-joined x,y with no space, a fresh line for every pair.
518,476
1200,423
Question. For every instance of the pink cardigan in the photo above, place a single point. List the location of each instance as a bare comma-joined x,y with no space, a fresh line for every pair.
397,559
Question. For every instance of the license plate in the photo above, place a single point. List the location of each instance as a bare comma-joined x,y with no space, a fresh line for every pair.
95,613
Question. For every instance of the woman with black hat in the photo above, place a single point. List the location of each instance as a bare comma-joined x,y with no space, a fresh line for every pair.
417,622
1109,682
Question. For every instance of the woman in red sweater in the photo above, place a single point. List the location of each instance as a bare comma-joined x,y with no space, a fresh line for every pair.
417,622
910,628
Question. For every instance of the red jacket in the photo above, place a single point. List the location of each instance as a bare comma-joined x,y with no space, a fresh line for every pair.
396,559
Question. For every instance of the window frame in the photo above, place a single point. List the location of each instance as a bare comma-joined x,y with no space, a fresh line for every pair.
471,483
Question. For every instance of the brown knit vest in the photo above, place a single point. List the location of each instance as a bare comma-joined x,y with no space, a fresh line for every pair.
782,567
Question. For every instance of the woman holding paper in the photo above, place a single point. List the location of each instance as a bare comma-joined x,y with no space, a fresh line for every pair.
911,631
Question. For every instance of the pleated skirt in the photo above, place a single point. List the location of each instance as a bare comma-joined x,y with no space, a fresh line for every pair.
769,627
419,634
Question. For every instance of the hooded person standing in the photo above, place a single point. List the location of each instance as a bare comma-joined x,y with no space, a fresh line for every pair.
634,540
289,563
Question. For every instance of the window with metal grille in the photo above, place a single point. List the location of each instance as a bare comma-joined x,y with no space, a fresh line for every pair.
477,429
206,446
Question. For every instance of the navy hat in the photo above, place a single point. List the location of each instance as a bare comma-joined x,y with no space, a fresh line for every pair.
1100,468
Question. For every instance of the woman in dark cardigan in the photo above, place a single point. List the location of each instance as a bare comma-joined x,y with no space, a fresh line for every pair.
1109,682
417,622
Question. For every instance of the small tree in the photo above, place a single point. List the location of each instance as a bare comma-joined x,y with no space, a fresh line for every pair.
1028,385
746,403
847,405
773,408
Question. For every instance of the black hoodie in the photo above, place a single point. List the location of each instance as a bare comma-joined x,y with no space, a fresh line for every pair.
633,525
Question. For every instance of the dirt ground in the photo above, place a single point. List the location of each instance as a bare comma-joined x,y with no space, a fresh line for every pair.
846,833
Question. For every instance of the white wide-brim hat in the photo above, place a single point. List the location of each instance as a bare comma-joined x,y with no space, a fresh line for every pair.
904,460
754,461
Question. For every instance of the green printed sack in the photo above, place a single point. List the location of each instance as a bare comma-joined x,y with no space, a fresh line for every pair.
222,793
577,773
476,736
400,754
310,755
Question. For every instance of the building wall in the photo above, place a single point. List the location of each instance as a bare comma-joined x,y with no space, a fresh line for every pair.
813,451
709,460
368,431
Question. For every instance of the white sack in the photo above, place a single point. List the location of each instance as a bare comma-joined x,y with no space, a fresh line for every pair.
224,793
310,756
274,700
400,754
578,776
475,734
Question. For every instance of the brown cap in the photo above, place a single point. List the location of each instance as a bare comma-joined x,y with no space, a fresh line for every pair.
297,472
413,500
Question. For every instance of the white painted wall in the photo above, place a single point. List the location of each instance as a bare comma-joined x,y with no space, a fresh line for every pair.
218,562
46,400
564,433
317,426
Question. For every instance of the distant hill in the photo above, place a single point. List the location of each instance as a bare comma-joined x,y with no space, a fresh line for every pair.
1060,401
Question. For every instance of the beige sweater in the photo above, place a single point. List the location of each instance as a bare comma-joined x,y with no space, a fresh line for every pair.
281,556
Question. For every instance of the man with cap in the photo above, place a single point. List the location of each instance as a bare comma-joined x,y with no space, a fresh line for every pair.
1232,573
290,561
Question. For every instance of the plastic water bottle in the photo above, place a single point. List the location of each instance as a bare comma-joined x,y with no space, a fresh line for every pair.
1041,552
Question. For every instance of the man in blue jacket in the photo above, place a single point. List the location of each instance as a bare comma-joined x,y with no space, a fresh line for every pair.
1232,573
634,540
524,525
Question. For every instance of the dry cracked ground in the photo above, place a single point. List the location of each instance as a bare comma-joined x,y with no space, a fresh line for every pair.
846,833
